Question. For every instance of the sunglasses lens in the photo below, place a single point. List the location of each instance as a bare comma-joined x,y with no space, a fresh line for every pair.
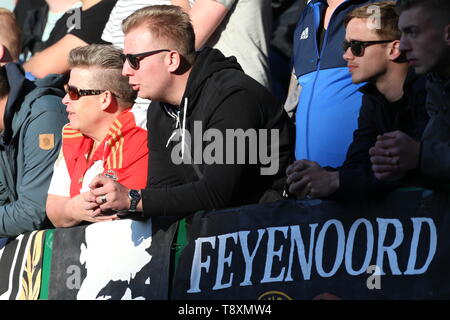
132,61
356,48
72,92
345,45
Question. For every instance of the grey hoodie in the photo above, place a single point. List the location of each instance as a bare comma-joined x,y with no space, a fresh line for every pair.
29,145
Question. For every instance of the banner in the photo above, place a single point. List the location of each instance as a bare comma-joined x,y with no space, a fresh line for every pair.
20,267
123,259
394,249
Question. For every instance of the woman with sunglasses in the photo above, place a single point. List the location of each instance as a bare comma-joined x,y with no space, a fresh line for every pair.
101,138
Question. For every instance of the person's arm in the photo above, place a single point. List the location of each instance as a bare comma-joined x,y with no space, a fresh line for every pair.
219,184
290,105
54,58
66,212
28,211
357,179
206,16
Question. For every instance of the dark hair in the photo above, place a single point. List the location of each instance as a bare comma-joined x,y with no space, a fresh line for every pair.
388,16
4,85
439,8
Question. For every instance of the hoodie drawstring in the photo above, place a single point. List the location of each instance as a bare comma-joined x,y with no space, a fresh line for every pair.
183,132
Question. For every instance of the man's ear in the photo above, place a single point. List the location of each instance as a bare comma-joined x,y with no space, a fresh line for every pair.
174,61
394,50
2,52
447,34
106,100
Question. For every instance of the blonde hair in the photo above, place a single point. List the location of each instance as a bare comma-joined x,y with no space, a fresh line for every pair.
108,62
388,16
166,22
10,34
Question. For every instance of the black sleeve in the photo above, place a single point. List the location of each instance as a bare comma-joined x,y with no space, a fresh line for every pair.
93,22
221,184
356,178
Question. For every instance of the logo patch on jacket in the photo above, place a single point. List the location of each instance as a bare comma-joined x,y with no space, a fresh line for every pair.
305,34
46,141
111,174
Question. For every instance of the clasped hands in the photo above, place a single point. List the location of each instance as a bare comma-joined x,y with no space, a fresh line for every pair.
105,200
393,154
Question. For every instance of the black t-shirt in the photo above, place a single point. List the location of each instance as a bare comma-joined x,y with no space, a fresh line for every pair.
22,8
93,22
87,25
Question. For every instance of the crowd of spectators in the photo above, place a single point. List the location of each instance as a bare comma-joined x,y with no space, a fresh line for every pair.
112,109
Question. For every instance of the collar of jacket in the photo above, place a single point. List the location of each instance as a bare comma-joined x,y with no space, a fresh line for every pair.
436,78
19,88
371,89
207,62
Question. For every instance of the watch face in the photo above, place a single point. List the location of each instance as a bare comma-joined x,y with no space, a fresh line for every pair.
135,195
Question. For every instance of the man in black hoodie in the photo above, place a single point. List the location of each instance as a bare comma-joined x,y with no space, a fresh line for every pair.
216,137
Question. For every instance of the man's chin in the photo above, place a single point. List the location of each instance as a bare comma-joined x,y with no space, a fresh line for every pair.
356,80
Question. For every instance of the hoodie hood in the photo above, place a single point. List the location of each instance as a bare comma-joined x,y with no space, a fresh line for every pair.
208,62
21,96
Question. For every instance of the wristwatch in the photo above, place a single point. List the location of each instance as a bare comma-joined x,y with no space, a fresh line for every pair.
135,196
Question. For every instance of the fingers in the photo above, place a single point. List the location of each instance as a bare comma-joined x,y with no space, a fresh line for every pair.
300,187
294,177
388,160
298,165
99,181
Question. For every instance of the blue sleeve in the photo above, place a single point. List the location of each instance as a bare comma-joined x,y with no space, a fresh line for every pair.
34,172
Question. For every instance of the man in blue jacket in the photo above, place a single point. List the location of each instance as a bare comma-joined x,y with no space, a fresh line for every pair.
393,101
31,120
329,103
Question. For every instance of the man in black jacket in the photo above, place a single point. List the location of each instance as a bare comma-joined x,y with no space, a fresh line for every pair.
425,26
393,101
216,137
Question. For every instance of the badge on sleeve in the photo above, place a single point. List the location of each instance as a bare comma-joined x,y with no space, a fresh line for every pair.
46,141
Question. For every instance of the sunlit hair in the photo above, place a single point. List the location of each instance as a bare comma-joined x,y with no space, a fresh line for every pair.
10,34
169,24
388,18
107,62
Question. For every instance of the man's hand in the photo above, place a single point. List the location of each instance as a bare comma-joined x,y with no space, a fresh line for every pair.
306,177
82,208
394,153
109,195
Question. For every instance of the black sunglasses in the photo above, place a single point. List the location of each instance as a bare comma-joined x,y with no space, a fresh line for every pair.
75,93
357,47
133,59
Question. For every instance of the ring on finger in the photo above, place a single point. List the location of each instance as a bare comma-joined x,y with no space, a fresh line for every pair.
103,198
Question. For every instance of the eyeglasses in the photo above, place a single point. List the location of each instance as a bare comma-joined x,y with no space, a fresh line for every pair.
357,47
133,59
75,93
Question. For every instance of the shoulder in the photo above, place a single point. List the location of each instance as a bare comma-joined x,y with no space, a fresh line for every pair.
48,103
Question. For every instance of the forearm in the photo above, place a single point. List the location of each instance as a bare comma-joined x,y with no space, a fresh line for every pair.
60,211
206,16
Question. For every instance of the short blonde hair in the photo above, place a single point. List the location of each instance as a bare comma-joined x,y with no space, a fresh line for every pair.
166,22
107,60
10,34
389,19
